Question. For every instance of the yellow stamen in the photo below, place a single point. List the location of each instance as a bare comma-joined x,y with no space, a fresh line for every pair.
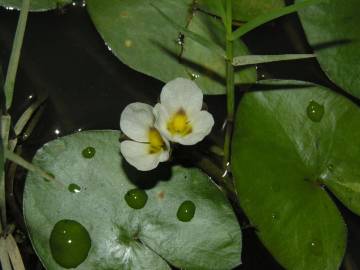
156,142
179,124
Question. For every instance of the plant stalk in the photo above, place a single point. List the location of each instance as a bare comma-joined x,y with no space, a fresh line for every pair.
29,166
230,103
15,53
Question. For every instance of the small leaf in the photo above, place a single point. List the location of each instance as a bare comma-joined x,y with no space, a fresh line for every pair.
332,31
123,237
291,140
262,59
35,5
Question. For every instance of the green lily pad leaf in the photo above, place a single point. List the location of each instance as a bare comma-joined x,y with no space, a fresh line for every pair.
35,5
244,10
331,28
293,144
148,236
144,40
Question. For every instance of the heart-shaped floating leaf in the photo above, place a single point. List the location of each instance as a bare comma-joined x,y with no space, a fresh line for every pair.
89,164
143,39
331,28
243,10
293,142
36,5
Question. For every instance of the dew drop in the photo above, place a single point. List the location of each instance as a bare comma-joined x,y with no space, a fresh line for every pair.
70,243
136,198
316,248
74,188
194,76
186,211
88,152
180,39
128,43
315,111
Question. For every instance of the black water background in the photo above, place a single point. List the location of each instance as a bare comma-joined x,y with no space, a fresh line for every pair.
87,88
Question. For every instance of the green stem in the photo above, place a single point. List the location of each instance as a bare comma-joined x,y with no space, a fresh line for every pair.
230,103
5,127
15,53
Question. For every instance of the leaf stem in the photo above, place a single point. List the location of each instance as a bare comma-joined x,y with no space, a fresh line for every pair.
230,103
15,53
27,165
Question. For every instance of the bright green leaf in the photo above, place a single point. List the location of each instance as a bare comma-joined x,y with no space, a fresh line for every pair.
243,10
141,38
35,5
332,30
262,59
123,237
292,142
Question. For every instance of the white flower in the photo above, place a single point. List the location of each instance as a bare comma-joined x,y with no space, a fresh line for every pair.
147,148
179,117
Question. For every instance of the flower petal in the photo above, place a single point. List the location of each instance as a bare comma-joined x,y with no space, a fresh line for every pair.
161,119
181,94
137,154
201,123
136,120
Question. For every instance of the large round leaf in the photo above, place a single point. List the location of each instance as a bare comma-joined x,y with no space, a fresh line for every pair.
332,31
35,5
293,142
141,38
244,10
122,237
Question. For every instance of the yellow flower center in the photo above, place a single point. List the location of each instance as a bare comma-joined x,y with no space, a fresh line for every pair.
156,142
179,124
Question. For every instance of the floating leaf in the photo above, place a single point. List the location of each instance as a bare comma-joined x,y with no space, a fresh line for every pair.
243,10
123,237
35,5
332,31
294,142
195,37
141,38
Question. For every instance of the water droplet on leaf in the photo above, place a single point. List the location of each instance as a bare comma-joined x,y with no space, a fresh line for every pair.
74,188
186,211
194,76
88,152
69,243
136,198
128,43
316,248
315,111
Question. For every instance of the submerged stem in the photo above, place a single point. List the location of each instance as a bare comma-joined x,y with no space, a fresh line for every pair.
15,53
230,104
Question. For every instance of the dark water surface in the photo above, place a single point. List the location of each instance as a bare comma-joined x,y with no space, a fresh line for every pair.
87,88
